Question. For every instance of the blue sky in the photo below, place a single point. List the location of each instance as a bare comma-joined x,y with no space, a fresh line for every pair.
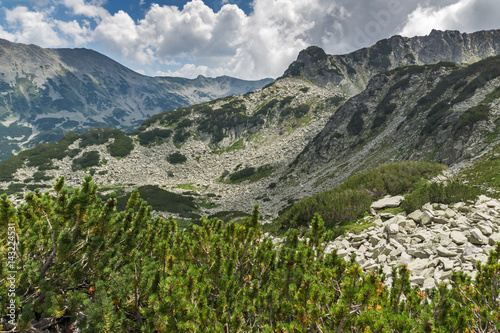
249,39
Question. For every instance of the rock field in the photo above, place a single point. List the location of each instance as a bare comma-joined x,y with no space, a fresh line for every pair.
433,242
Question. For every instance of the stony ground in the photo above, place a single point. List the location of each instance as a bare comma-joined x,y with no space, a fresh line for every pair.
433,241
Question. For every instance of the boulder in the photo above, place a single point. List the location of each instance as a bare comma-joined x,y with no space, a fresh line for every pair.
458,238
477,237
389,202
426,218
416,215
494,238
444,252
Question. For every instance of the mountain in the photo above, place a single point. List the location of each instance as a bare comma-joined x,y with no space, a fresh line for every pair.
293,138
45,93
350,73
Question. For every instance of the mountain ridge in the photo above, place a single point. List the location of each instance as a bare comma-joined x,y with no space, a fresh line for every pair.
47,92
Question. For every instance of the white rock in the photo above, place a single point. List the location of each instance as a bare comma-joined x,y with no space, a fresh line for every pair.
416,215
429,283
392,229
449,213
494,238
477,237
374,240
426,218
458,238
485,229
444,252
390,202
447,263
418,265
417,279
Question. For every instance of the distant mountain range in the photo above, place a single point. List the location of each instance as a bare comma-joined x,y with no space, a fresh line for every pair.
45,93
433,98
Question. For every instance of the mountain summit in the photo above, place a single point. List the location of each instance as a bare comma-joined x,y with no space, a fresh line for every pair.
45,93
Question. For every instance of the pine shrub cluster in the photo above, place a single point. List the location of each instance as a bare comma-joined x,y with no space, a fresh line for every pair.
122,271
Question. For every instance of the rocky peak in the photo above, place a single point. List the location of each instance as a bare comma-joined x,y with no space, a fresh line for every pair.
352,71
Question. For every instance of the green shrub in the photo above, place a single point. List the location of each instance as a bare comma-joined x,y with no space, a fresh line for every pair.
334,206
250,173
87,160
180,136
473,115
155,136
122,146
439,193
123,270
176,158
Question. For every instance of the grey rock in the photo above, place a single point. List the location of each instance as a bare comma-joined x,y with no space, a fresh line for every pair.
444,252
494,238
458,238
477,237
416,215
390,202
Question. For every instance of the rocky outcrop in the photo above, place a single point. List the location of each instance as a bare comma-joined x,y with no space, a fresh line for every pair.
353,71
433,242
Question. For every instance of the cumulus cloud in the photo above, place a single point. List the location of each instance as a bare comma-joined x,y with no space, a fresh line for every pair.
89,9
39,27
463,15
425,18
30,26
250,46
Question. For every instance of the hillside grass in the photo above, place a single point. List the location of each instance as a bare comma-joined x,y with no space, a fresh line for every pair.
349,202
485,172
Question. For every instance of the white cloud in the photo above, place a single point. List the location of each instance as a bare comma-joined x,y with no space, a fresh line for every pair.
33,27
92,10
258,45
425,18
38,27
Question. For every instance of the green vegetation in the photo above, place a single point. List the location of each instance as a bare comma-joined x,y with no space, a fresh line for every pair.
180,136
473,115
87,160
154,136
298,112
485,172
189,187
41,156
439,193
249,173
458,80
176,158
163,201
349,201
110,270
237,145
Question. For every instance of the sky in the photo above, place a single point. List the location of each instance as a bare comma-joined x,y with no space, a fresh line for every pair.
248,39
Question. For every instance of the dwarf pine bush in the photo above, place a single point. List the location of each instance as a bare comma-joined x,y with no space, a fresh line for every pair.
80,259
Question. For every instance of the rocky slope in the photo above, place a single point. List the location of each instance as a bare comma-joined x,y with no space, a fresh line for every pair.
47,92
290,139
351,73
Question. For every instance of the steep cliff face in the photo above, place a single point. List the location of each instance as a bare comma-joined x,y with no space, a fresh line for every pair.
351,72
47,92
